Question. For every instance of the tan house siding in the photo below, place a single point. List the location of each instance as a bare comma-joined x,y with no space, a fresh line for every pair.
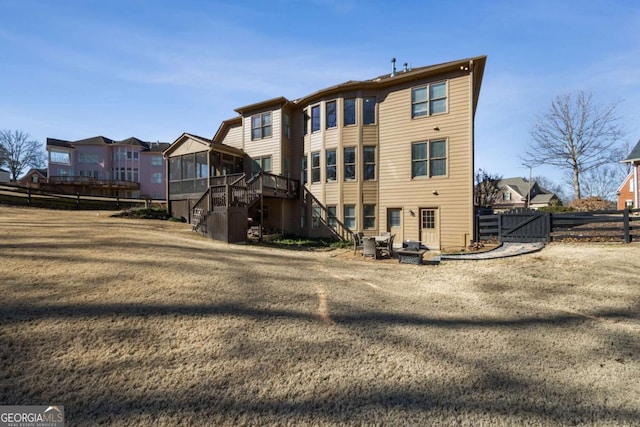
233,138
398,131
271,146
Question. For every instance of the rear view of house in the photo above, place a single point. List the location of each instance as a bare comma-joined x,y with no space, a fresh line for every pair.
393,153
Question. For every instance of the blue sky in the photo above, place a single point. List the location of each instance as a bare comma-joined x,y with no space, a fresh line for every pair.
156,69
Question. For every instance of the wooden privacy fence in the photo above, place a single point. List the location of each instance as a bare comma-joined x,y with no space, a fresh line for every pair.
525,225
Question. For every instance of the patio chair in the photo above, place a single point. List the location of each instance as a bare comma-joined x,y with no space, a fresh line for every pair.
357,241
387,249
369,247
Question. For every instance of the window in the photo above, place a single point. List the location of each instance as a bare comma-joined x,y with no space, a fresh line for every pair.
428,218
419,159
429,158
304,178
156,160
303,217
332,219
349,163
261,126
331,165
287,126
506,195
175,170
331,114
61,157
132,155
88,158
201,165
428,100
437,98
315,118
349,108
305,122
438,158
350,216
188,167
369,110
369,163
316,213
261,164
369,216
156,178
315,167
394,217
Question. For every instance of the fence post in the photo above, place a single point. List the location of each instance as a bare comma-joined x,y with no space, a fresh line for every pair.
625,222
549,226
500,228
118,202
77,200
29,196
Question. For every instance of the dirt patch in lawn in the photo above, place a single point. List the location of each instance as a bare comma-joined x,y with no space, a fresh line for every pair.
134,322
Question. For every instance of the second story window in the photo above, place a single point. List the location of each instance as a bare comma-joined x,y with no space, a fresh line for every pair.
368,110
315,118
286,126
304,178
315,167
331,165
261,126
369,155
61,157
429,158
331,114
349,163
156,160
349,111
428,100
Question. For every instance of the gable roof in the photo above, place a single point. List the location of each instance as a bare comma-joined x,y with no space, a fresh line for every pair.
519,185
634,155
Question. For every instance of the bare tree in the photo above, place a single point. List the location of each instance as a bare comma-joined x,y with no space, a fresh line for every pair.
486,189
18,152
603,182
550,185
576,134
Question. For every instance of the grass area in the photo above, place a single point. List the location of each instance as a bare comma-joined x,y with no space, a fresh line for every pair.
135,322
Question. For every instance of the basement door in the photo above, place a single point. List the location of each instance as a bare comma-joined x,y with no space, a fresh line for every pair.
430,228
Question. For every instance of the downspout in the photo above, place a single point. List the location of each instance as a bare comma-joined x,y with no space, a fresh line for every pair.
472,148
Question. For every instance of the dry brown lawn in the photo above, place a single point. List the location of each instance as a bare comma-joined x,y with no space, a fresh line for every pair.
133,322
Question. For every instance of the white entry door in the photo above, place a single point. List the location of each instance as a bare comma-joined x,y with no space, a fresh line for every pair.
430,228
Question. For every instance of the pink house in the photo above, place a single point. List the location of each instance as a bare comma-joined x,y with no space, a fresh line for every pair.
100,166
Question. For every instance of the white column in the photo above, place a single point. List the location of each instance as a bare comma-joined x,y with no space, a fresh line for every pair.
636,198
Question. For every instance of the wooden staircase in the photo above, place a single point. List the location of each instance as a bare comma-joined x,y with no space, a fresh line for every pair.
222,210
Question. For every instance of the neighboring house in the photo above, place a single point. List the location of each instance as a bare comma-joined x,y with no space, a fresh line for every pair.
100,166
5,176
34,178
394,153
628,195
516,193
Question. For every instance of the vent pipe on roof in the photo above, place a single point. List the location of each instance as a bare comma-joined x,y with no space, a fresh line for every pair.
406,67
393,67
